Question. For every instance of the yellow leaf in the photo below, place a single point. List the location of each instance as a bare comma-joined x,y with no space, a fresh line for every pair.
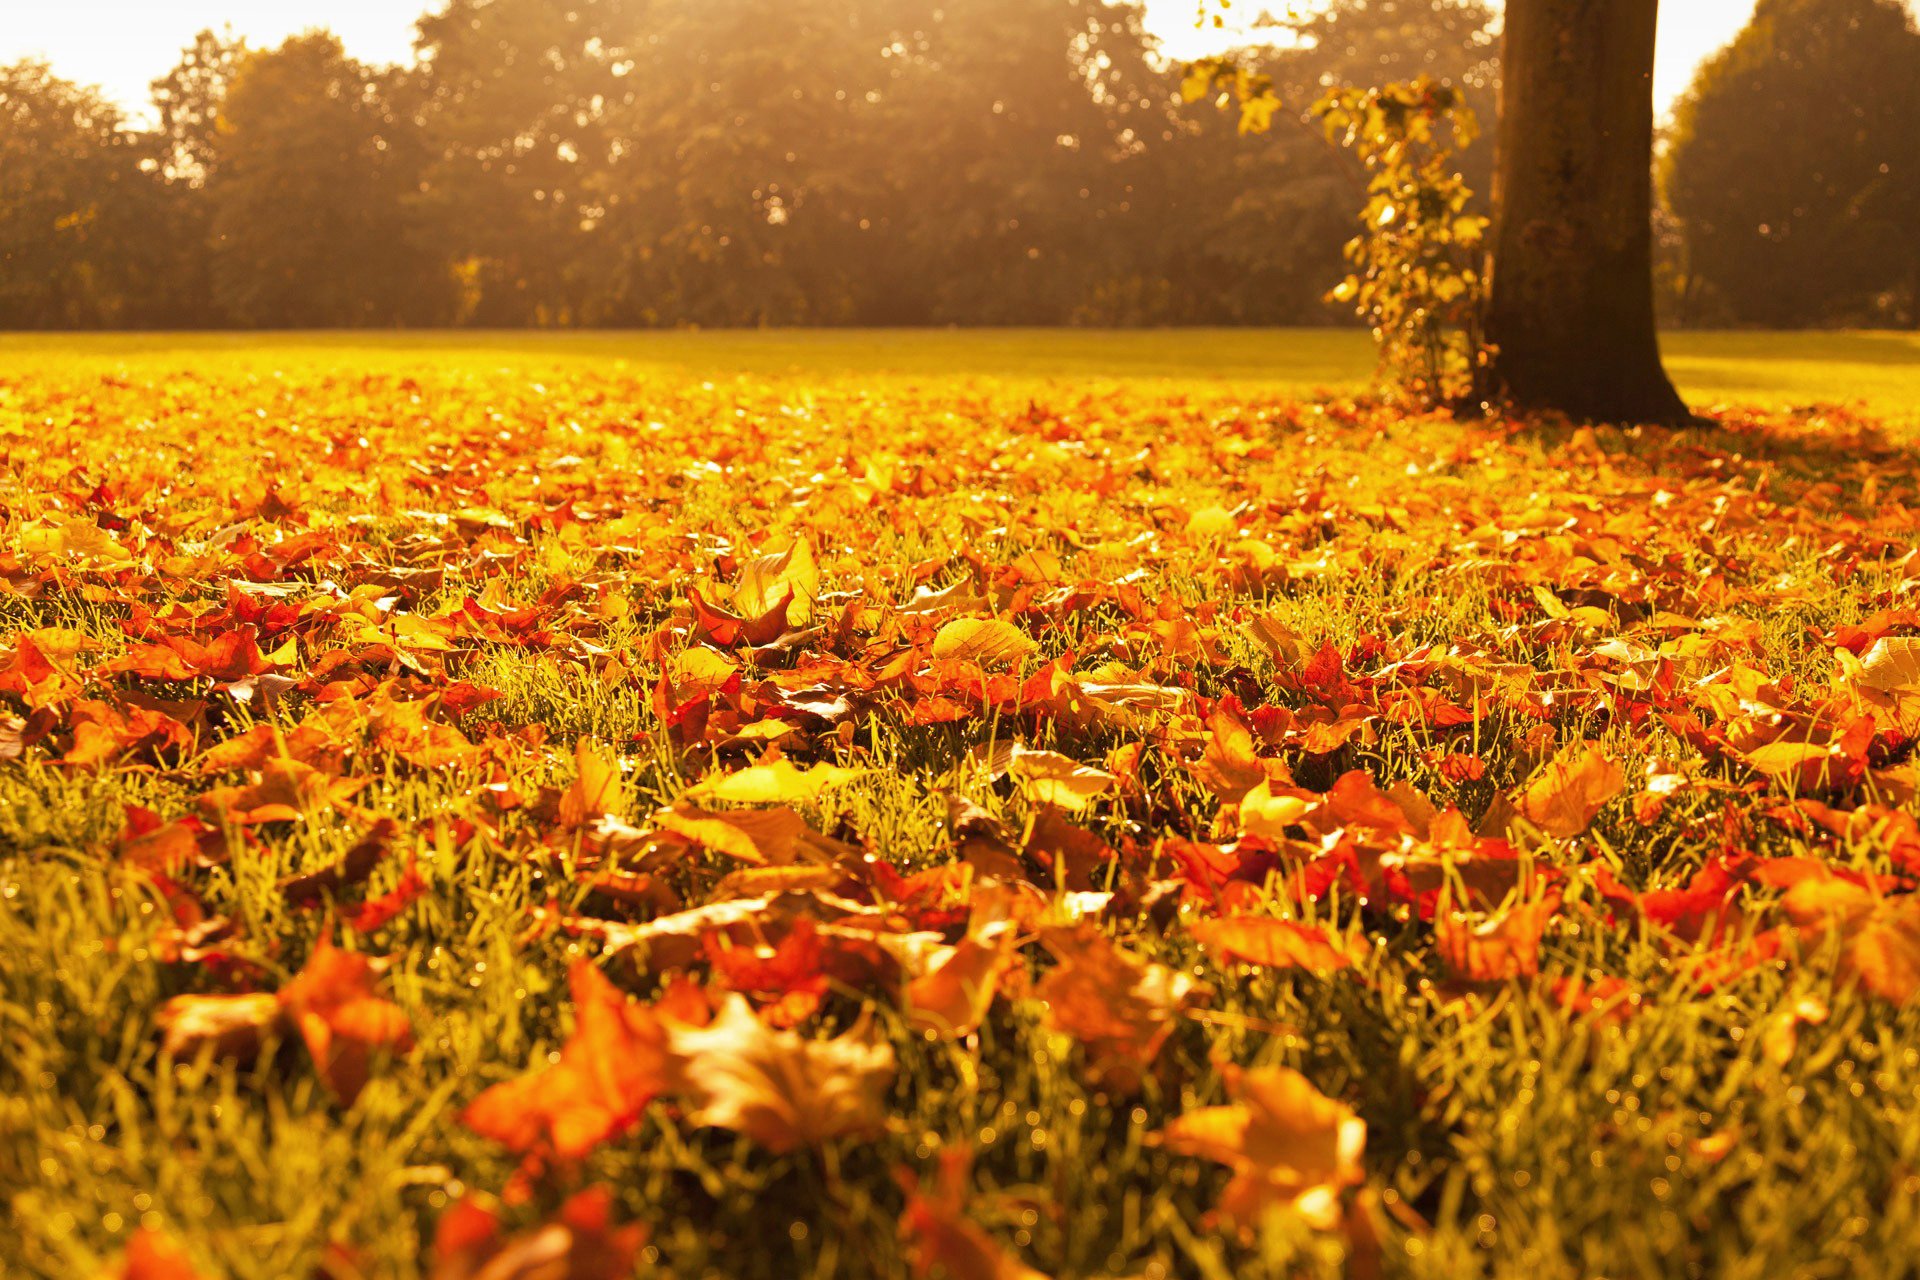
987,641
1567,795
778,1088
765,580
1286,1142
1277,944
778,783
595,790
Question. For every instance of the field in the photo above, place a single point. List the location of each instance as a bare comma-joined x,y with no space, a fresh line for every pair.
985,805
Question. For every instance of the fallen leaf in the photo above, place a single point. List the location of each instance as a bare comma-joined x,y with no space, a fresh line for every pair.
331,1002
778,783
987,641
1286,1142
1571,791
616,1061
1278,944
944,1242
780,1089
1119,1008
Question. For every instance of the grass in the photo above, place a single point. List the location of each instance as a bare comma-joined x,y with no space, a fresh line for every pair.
1878,370
1509,1135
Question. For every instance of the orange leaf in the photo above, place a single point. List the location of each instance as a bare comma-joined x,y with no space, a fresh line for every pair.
1286,1142
332,1003
1278,944
1571,791
151,1256
778,1088
615,1063
944,1242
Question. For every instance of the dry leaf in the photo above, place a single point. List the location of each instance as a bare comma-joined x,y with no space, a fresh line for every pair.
1278,944
331,1002
1574,788
1286,1142
595,789
1879,936
987,641
1119,1008
944,1242
778,783
778,1088
617,1060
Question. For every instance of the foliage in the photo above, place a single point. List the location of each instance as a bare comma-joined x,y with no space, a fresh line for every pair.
309,223
1792,168
484,815
742,162
1416,279
71,185
1417,275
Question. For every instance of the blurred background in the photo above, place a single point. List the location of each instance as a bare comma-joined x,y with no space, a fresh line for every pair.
574,163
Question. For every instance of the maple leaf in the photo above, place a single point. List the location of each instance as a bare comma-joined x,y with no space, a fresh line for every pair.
1889,678
1047,776
790,577
1230,767
780,782
313,888
987,641
1492,948
1878,935
778,1088
331,1002
1286,1142
1571,791
231,1028
1278,944
151,1256
944,1241
1119,1008
952,998
581,1244
762,837
595,789
616,1062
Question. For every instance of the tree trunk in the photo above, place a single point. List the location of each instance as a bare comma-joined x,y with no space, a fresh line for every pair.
1570,295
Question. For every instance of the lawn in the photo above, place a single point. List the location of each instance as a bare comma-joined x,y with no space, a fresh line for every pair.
1879,370
985,804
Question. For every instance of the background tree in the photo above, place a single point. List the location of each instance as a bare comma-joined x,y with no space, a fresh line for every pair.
1264,217
187,102
1795,171
77,194
312,220
517,102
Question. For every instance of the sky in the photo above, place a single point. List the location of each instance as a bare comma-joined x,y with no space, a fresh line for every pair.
122,45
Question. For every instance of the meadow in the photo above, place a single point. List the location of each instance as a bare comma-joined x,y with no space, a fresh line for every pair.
988,804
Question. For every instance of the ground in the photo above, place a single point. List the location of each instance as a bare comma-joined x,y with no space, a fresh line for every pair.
820,804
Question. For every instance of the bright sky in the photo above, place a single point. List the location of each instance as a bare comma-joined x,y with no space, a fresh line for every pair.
121,45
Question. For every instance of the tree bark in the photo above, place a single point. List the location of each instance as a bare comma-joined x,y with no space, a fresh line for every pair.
1570,293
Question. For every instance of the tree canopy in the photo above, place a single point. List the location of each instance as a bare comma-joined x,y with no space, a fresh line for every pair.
1795,171
722,162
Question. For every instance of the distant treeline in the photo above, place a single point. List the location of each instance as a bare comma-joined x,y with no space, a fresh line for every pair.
875,162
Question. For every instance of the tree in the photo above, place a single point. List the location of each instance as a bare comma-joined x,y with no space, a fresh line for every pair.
312,217
187,102
517,100
1264,216
1795,170
1570,311
77,193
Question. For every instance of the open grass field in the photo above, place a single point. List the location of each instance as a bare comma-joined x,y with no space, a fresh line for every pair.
1878,370
984,805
